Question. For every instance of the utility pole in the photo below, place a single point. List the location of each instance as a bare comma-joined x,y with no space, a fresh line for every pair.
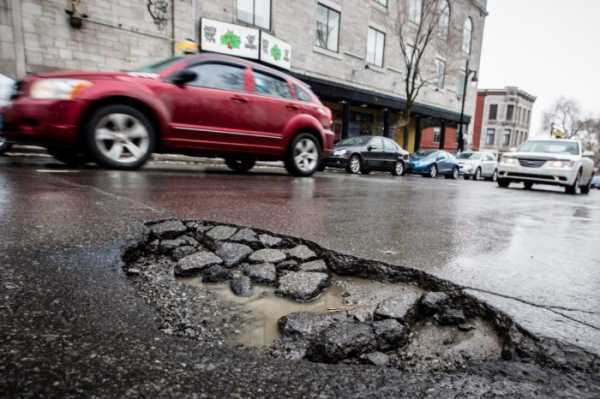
461,138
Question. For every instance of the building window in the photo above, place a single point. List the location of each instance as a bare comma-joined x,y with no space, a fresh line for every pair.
528,117
493,112
328,28
506,141
375,47
510,110
467,35
437,134
444,22
518,114
255,12
440,74
382,2
490,137
415,10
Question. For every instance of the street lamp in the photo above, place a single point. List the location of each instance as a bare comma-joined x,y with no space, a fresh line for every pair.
468,72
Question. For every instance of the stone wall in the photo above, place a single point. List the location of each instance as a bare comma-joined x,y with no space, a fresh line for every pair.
7,48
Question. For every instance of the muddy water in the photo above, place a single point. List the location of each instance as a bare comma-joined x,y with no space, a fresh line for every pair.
265,308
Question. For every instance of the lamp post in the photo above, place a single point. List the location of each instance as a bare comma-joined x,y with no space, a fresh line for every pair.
468,72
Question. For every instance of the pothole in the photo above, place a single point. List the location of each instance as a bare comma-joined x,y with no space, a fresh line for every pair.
297,300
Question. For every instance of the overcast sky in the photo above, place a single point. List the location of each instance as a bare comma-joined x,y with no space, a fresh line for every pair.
547,48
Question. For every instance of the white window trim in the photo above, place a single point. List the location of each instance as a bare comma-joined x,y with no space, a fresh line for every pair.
375,28
331,5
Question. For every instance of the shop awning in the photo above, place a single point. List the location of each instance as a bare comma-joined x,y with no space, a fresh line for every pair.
334,91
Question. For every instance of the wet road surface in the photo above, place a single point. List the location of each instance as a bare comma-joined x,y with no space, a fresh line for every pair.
535,255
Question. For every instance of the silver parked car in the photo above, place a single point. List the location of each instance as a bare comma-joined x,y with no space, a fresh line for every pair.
477,165
549,161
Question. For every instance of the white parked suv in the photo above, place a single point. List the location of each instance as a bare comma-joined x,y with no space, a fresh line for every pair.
478,165
548,161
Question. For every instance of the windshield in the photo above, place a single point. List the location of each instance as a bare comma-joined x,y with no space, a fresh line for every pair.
159,66
352,141
551,147
473,156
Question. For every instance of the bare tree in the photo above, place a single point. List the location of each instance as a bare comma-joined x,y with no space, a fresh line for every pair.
565,115
417,33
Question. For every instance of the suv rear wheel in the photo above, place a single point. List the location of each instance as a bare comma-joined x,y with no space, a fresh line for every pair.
120,137
240,164
303,156
576,185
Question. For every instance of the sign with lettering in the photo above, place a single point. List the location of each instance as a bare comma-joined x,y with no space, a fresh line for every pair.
275,51
231,39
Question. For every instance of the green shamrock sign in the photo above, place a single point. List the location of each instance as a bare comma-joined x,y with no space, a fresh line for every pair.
231,40
276,53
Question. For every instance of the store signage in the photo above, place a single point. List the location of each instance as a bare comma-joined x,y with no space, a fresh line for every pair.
241,41
225,38
274,51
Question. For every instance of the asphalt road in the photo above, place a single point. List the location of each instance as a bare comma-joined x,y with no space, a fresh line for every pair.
534,254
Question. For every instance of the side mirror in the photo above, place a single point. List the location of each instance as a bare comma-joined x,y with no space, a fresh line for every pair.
370,148
184,76
588,154
439,158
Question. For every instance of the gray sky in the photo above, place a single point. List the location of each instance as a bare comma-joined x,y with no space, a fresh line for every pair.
547,48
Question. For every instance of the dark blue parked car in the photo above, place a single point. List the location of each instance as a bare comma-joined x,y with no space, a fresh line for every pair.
433,163
596,182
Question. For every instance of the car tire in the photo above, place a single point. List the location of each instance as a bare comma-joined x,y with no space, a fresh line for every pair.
120,137
399,169
494,177
4,146
304,155
240,165
466,177
453,175
528,185
69,157
321,167
576,185
586,189
477,175
433,172
354,164
502,183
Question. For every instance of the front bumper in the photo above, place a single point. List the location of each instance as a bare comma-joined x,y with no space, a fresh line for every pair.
542,175
466,170
418,169
41,122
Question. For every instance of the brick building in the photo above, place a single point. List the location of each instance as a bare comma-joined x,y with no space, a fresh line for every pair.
348,51
502,119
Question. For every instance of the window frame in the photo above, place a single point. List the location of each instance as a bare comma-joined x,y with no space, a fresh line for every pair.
507,134
242,67
436,132
496,108
438,62
382,3
253,23
469,49
510,111
377,33
492,135
444,33
412,4
337,40
256,72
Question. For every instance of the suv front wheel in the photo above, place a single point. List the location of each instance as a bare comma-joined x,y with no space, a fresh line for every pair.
303,156
120,137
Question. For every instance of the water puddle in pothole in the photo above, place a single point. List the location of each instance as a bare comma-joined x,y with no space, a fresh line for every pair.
266,308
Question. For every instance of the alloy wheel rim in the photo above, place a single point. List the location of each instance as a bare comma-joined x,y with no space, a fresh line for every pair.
399,168
355,164
122,138
455,174
495,176
477,174
306,155
433,172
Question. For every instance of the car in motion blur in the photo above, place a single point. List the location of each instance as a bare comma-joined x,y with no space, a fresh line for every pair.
478,165
434,163
207,105
548,161
363,154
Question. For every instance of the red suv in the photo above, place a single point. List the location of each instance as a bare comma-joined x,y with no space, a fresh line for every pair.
206,104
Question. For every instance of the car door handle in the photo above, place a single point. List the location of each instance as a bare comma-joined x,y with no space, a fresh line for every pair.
292,107
239,100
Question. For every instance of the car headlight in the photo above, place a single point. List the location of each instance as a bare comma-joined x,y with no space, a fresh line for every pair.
340,153
58,89
560,164
509,161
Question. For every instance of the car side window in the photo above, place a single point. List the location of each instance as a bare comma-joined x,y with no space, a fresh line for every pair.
271,86
302,94
219,76
389,146
377,144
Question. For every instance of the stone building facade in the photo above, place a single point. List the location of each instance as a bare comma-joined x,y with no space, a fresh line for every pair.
365,91
502,118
